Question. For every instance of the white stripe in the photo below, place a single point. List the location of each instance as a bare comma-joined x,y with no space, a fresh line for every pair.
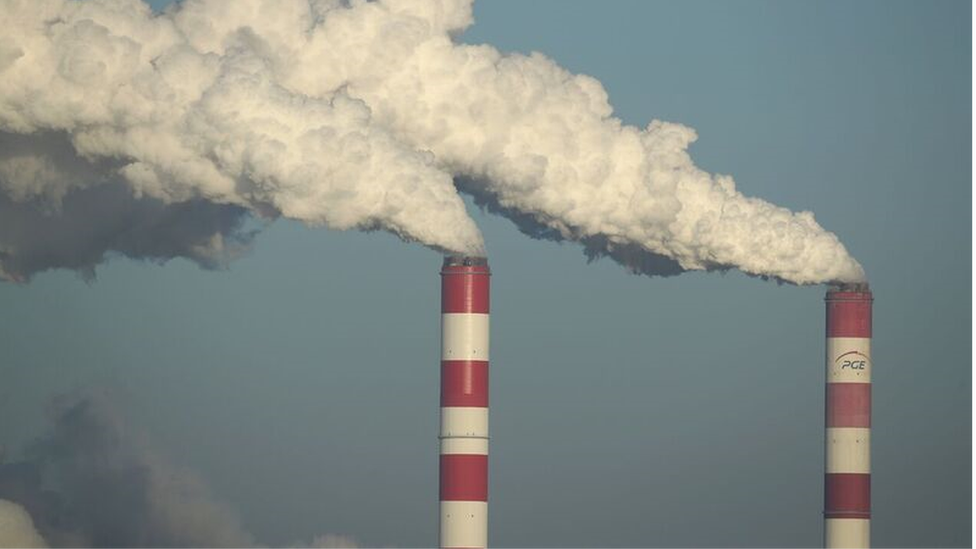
464,421
847,532
464,524
463,445
464,336
848,450
848,368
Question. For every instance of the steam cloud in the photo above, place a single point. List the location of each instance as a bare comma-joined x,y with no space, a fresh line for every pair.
17,528
157,136
96,481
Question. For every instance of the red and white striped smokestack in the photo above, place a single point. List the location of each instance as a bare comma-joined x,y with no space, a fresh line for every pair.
847,479
464,402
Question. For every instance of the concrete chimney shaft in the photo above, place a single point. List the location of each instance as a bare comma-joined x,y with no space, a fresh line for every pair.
464,402
847,479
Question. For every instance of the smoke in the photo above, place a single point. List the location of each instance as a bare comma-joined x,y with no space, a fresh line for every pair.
330,541
17,528
94,482
349,115
86,223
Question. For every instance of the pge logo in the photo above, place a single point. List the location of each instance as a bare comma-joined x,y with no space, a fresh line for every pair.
852,360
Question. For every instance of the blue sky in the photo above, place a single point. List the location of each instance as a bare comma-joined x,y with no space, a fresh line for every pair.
626,411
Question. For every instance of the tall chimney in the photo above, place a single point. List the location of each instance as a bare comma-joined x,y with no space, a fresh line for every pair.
464,402
847,479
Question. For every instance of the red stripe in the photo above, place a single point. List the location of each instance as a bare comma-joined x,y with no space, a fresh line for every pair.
848,405
464,383
464,477
465,289
847,495
849,314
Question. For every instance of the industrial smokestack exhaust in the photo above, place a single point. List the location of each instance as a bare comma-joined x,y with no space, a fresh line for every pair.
464,402
847,478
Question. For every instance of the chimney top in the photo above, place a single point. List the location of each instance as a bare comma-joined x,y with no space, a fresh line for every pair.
465,261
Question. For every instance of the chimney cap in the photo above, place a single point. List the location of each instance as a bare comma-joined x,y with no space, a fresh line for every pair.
465,261
852,287
849,291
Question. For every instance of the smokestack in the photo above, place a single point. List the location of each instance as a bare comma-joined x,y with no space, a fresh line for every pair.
847,478
464,402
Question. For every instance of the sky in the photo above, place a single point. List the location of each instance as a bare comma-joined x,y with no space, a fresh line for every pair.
301,383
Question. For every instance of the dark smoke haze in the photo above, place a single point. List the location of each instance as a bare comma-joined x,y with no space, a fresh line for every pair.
94,481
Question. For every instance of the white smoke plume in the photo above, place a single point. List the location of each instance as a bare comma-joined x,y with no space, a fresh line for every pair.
94,481
351,115
17,528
